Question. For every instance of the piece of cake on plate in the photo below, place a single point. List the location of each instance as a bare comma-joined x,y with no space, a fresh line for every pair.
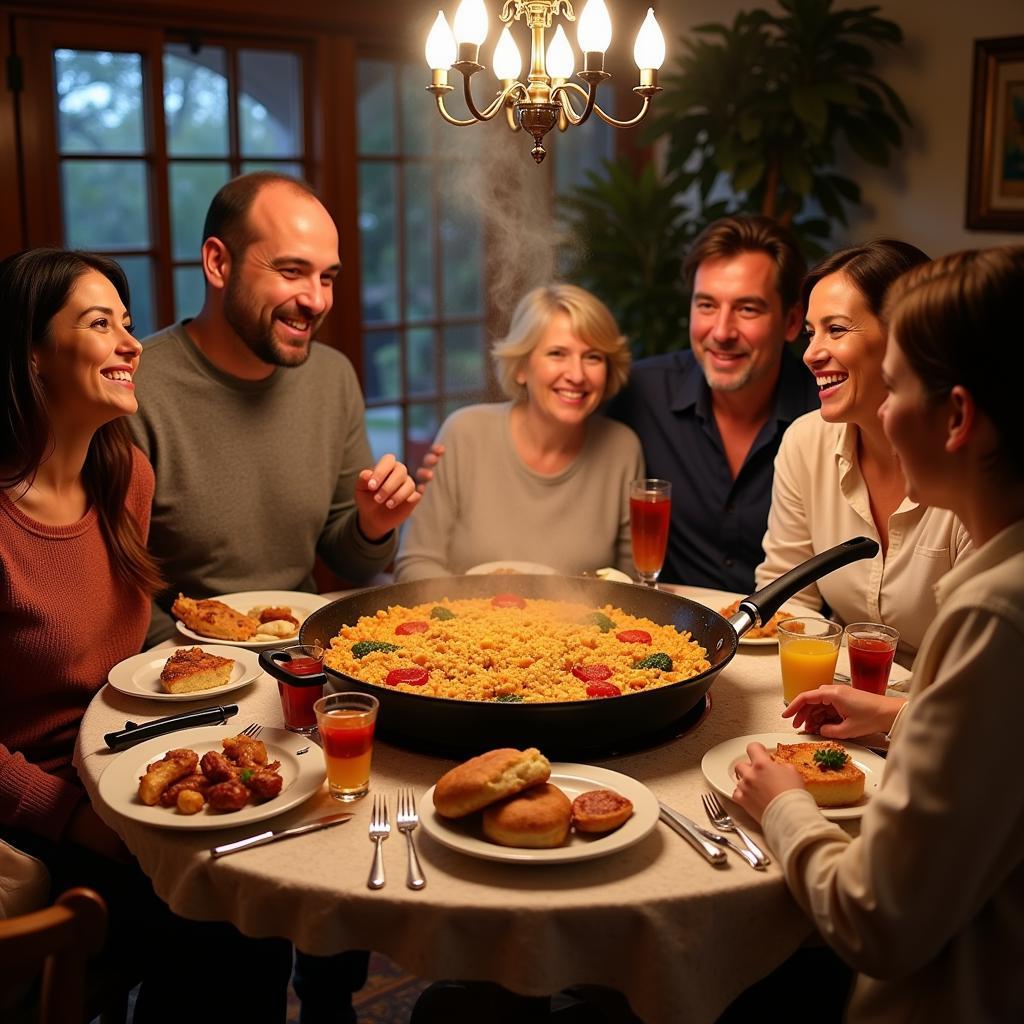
190,669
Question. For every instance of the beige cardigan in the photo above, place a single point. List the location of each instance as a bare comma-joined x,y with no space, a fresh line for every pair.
819,499
928,902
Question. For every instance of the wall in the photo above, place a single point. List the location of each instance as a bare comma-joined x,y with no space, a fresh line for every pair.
922,197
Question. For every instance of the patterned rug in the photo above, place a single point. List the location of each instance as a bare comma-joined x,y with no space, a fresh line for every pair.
387,997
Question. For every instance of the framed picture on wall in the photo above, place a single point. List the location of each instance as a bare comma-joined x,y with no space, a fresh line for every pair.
995,175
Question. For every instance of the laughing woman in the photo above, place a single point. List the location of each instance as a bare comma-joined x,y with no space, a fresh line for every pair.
75,586
928,901
539,479
836,475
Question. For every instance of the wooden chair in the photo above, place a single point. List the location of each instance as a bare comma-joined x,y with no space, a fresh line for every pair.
61,939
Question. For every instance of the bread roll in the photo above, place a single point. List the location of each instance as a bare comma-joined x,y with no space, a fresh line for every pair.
537,818
482,780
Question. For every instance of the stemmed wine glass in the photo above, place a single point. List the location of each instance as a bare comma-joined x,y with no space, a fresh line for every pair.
650,505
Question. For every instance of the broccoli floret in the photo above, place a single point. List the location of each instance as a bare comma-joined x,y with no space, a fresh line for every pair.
659,661
440,612
598,619
365,647
509,698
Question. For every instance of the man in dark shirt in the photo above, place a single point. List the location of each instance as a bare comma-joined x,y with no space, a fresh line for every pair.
710,419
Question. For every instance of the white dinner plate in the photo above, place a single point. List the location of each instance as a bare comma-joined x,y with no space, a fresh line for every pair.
719,762
301,604
303,775
139,676
719,599
466,834
525,568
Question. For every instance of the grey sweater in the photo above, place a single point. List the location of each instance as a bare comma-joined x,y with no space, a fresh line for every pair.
253,478
486,505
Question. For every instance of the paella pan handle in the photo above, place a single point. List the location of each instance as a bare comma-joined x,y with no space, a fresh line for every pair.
760,606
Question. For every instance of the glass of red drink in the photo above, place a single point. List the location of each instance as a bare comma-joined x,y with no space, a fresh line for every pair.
872,648
346,722
299,671
650,505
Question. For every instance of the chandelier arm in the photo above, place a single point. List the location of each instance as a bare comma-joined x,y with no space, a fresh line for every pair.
561,93
493,107
458,122
615,123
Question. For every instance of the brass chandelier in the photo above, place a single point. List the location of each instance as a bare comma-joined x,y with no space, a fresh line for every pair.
545,101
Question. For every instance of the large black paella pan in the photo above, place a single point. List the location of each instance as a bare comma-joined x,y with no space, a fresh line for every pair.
570,729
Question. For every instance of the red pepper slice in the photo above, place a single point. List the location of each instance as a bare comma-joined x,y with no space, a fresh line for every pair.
592,673
634,636
405,628
409,676
507,601
602,689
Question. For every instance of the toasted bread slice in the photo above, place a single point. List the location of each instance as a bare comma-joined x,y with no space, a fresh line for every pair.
214,619
189,669
830,787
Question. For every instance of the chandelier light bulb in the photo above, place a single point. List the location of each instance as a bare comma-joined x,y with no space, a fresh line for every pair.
507,62
594,29
560,61
440,45
649,51
471,22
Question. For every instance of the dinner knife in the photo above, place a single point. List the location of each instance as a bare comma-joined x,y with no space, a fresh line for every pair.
688,830
272,837
133,733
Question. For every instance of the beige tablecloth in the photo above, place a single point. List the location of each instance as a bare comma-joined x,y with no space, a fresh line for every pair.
679,937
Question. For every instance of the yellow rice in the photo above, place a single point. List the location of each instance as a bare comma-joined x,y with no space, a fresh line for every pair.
487,653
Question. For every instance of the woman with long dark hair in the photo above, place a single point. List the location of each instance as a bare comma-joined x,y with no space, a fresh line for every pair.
928,901
75,588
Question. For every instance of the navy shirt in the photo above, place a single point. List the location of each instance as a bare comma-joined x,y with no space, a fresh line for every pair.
717,523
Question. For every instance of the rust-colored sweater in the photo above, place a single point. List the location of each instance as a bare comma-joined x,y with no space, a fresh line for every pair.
65,621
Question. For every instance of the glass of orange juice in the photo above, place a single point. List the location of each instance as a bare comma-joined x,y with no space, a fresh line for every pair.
346,722
808,649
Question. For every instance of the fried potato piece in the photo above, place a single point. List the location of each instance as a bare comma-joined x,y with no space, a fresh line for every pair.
196,783
214,619
176,764
244,750
274,614
190,801
228,796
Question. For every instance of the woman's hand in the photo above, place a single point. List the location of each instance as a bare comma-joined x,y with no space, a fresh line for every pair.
761,780
839,712
426,471
86,829
385,497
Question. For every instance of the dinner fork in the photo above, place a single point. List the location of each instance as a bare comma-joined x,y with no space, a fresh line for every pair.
380,829
718,817
407,819
252,730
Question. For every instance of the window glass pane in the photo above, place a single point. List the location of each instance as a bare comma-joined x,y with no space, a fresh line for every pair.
99,101
420,433
420,119
139,271
195,101
378,243
384,430
380,364
281,166
192,186
270,103
463,257
420,361
189,291
105,204
376,106
463,358
419,241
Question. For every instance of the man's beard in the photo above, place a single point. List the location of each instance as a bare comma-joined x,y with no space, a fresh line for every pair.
259,336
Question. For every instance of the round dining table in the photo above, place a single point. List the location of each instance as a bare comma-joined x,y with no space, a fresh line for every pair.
680,937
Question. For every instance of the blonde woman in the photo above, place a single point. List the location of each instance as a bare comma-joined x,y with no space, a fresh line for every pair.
538,478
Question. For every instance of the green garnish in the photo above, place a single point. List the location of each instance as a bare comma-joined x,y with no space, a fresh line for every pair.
246,774
365,647
509,698
440,612
831,759
659,661
598,619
